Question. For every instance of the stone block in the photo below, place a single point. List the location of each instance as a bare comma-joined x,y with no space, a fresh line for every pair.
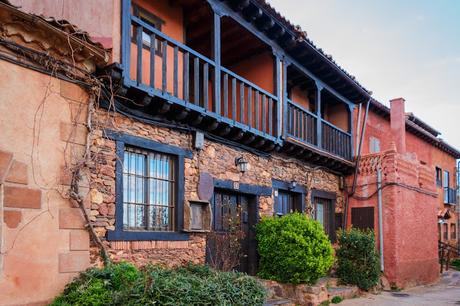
22,197
71,218
79,240
78,112
74,133
18,173
12,218
73,92
75,261
5,161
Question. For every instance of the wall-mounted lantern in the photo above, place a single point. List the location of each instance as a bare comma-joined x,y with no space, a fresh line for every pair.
242,164
292,185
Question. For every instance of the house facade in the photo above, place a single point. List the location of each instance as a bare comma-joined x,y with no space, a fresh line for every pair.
164,120
200,109
404,189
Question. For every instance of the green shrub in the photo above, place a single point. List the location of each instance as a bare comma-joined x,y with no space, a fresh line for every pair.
357,259
293,249
456,264
123,284
336,299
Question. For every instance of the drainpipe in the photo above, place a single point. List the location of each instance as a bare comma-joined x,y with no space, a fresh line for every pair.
358,124
380,209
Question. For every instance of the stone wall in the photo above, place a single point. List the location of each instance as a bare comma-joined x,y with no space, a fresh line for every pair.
215,158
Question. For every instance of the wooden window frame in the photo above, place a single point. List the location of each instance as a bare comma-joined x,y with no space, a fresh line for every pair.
153,20
438,174
298,193
453,231
145,176
120,234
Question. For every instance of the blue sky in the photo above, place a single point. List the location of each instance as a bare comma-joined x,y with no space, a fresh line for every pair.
407,49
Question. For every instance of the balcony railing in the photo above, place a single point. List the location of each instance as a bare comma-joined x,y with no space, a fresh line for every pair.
166,68
302,126
335,140
450,196
163,67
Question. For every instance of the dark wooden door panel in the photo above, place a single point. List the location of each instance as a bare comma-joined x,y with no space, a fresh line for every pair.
362,217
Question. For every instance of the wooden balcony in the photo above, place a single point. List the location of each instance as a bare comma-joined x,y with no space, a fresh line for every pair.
210,95
166,79
302,126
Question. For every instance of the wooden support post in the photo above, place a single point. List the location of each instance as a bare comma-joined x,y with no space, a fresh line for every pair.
351,130
319,132
278,94
126,36
216,31
285,99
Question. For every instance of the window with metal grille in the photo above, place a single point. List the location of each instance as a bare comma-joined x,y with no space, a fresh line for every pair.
453,231
148,190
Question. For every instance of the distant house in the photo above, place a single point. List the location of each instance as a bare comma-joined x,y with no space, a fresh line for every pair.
418,191
168,117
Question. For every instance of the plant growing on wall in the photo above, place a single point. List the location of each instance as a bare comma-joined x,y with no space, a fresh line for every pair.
293,249
358,261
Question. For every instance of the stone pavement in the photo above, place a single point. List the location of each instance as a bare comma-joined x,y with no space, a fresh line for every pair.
445,292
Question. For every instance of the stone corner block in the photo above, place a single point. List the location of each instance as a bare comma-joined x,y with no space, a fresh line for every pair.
22,197
73,92
12,218
71,218
75,261
5,161
18,173
79,240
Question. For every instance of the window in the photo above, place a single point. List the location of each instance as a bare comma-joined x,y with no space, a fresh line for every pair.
149,190
149,185
289,197
438,176
445,179
285,203
151,20
374,145
453,231
439,231
445,232
324,211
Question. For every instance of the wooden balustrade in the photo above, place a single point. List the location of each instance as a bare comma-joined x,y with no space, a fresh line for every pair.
167,68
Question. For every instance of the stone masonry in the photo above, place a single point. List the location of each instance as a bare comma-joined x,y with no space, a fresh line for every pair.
215,158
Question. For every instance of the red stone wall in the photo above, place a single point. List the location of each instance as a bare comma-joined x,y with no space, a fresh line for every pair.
429,155
409,202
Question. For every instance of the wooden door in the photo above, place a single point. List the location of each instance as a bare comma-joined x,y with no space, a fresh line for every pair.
231,210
